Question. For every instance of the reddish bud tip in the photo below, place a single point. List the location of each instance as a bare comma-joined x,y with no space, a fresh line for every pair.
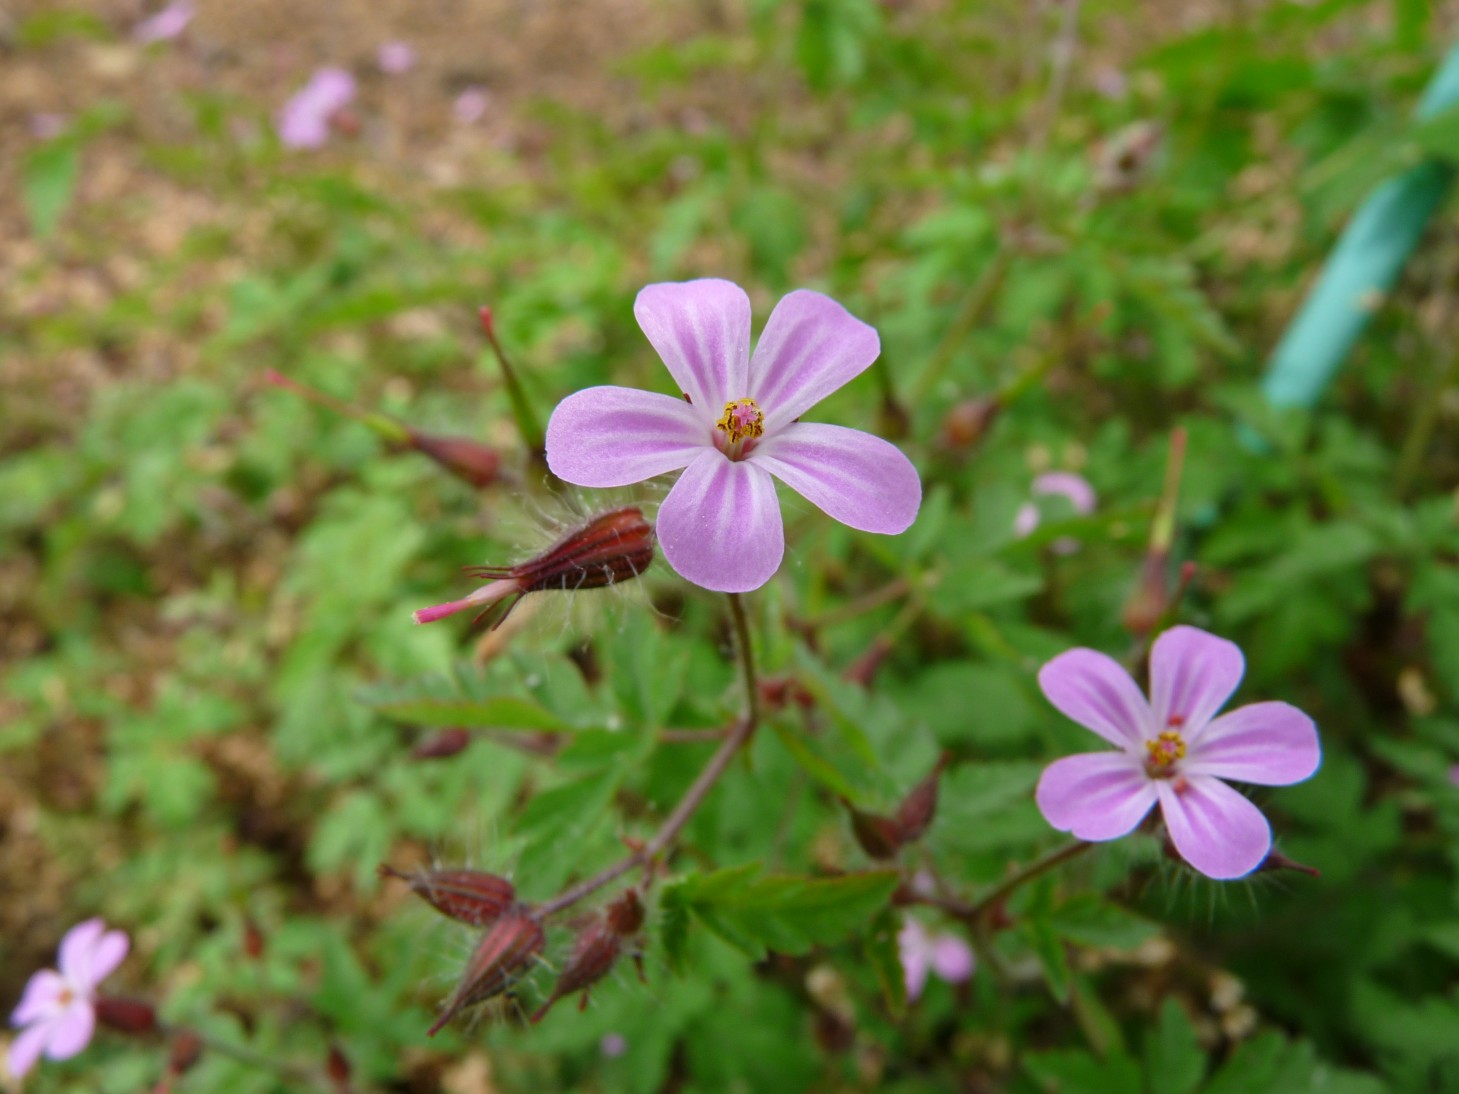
504,955
252,938
614,546
187,1049
441,744
130,1016
597,949
337,1067
488,324
468,460
1278,861
915,814
469,896
625,915
879,837
275,378
1150,598
968,422
864,669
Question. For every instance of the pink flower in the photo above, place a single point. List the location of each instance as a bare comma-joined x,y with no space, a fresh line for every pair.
1174,750
613,1045
1064,484
57,1009
922,952
395,58
304,121
470,105
1454,774
165,25
737,424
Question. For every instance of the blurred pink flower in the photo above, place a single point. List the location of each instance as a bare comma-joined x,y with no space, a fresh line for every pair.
613,1045
164,25
946,955
304,120
471,105
737,424
1454,774
395,58
1172,749
57,1010
1064,484
47,125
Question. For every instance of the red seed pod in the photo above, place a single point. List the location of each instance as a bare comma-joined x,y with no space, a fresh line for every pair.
504,955
614,546
625,915
442,744
594,953
471,461
863,670
470,896
253,940
915,814
879,837
187,1049
337,1067
130,1016
968,422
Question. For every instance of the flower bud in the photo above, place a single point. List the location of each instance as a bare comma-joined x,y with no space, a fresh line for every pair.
187,1049
614,546
878,836
915,814
442,744
1275,860
968,422
337,1067
596,951
503,957
469,896
131,1016
471,461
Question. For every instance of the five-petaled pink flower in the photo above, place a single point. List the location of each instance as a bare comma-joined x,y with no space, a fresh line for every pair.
304,121
735,422
924,952
1174,750
58,1008
165,25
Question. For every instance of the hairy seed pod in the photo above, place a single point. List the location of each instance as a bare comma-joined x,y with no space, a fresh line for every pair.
504,955
469,896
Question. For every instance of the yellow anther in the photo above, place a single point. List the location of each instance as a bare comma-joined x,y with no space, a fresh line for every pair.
1164,751
741,419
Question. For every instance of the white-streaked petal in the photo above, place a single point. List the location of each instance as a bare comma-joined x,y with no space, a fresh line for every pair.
1215,828
701,330
614,436
720,525
810,347
1094,690
1095,795
1272,744
1192,674
860,480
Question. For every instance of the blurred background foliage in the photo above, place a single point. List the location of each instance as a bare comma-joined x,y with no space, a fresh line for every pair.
1097,217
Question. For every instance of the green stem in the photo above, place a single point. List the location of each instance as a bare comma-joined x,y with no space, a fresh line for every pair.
972,312
1018,879
694,797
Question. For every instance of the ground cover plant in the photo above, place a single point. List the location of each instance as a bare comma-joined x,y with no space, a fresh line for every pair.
724,546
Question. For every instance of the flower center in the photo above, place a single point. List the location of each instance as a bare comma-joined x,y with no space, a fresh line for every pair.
740,424
1164,751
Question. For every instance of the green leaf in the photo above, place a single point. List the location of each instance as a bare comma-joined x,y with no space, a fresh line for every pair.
48,182
1174,1062
1076,1070
1090,921
883,954
1038,930
784,913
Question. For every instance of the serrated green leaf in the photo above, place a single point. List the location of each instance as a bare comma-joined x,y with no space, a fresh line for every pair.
1174,1062
1090,921
785,913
